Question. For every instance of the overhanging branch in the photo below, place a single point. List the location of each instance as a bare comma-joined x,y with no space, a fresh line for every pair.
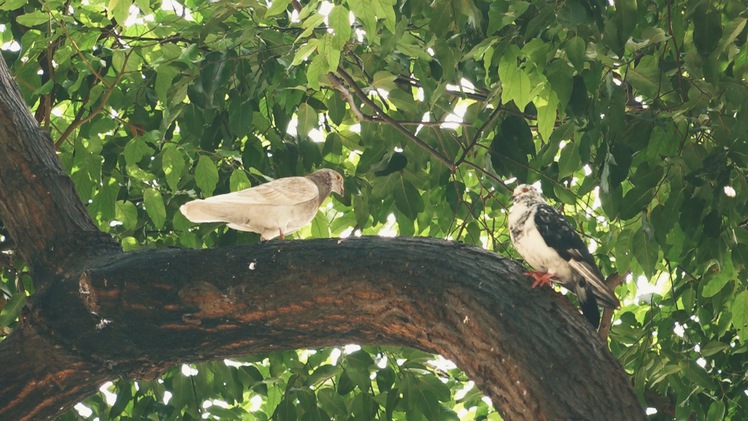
134,315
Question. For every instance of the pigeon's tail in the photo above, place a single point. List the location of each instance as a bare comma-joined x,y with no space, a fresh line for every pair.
588,302
606,297
201,211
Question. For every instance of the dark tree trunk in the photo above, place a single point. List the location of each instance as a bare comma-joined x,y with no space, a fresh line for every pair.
100,314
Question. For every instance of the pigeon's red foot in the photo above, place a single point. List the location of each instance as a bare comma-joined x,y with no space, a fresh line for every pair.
541,278
281,236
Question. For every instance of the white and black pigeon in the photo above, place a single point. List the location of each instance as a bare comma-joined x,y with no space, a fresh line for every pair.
273,209
548,242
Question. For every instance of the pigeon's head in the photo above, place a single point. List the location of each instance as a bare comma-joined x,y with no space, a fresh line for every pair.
525,192
336,183
328,178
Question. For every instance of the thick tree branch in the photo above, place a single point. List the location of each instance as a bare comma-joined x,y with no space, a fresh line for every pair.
134,315
38,202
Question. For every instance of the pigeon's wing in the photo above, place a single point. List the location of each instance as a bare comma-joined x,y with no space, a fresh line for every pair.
282,205
289,191
561,236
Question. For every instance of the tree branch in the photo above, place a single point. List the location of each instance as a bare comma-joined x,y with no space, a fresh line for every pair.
38,202
134,315
612,281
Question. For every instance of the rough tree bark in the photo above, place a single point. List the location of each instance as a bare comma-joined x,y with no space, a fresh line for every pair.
100,314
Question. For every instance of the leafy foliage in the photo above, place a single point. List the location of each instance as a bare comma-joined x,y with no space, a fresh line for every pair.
632,116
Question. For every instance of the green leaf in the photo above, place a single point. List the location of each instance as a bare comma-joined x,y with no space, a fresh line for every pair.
339,22
322,374
107,197
360,359
13,5
239,181
385,379
438,388
240,117
364,11
37,17
127,213
154,207
441,19
391,162
124,396
277,7
320,227
136,149
645,251
310,24
569,162
119,10
407,198
12,309
384,9
646,77
316,69
733,30
130,244
510,147
418,394
707,29
575,51
717,276
125,62
635,201
164,76
627,17
215,70
305,51
560,77
307,119
345,384
740,315
173,162
623,250
384,80
564,195
206,175
716,411
515,83
330,52
713,348
333,403
547,114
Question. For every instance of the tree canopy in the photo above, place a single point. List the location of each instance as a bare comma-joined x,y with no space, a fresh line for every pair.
633,117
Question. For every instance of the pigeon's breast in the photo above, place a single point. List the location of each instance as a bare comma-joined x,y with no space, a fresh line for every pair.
532,247
299,216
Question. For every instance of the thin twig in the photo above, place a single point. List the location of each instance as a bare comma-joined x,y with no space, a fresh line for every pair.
79,122
363,97
477,136
482,170
346,95
681,92
612,282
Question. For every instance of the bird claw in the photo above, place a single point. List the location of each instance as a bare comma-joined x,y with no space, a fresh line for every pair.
541,278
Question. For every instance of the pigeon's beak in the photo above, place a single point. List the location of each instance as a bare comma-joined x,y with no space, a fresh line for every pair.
339,188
